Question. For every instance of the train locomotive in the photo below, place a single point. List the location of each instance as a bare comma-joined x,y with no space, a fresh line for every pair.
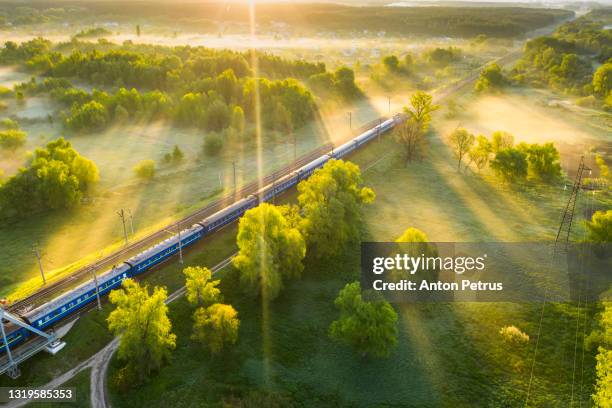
44,316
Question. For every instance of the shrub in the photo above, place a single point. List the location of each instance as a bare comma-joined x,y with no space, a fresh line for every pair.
213,144
145,169
12,139
513,335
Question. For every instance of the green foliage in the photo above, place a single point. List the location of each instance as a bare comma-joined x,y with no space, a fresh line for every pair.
213,144
217,116
93,33
90,116
216,326
370,327
331,201
491,79
13,52
602,80
412,235
9,124
461,142
201,288
501,140
238,121
176,156
5,92
600,228
420,109
411,137
141,319
603,387
510,164
543,161
391,63
480,153
564,61
12,139
56,178
145,169
270,251
441,57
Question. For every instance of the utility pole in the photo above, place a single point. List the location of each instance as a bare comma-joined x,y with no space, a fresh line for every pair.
350,120
121,215
40,267
389,99
95,278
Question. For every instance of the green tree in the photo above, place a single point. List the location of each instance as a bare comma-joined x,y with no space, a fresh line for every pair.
370,327
409,135
201,288
600,227
57,177
391,63
177,154
141,319
270,251
501,140
145,169
491,78
481,152
238,121
344,83
602,80
461,142
603,368
412,235
213,144
543,161
510,164
216,326
12,139
421,108
331,201
217,116
89,116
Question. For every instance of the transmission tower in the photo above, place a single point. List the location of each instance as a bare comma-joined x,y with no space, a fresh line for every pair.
568,214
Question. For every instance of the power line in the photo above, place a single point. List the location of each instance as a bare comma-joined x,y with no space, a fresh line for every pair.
38,258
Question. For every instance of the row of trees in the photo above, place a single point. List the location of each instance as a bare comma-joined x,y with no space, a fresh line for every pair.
273,241
509,162
57,177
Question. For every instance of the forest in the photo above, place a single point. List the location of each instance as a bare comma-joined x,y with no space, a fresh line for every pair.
575,59
197,87
308,18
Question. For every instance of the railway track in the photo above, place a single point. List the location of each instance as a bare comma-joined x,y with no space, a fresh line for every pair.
56,288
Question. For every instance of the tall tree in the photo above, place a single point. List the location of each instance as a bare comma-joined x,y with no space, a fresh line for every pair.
510,164
461,142
216,326
420,109
410,135
480,153
368,327
270,251
331,201
201,288
141,319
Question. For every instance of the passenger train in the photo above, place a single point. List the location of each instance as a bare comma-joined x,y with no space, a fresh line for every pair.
44,316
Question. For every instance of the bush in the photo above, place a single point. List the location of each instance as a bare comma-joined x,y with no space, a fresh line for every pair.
12,139
8,123
513,335
213,144
145,169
